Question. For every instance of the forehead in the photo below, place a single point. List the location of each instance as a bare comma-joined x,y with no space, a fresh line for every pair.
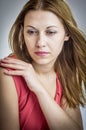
41,17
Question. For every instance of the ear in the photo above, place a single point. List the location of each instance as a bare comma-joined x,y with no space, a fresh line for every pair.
66,37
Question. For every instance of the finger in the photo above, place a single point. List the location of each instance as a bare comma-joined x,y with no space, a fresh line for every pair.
13,72
14,61
12,66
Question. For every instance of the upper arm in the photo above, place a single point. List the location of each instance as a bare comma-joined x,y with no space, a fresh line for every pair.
73,113
8,103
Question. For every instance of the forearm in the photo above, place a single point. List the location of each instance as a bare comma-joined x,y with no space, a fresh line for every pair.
56,117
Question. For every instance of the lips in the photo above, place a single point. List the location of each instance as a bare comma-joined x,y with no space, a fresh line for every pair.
41,53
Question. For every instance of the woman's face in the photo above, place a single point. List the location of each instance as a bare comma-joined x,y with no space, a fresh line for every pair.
44,36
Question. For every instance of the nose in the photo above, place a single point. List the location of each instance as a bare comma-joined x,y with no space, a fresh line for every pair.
41,42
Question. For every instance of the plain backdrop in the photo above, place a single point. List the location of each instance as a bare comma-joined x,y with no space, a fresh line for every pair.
9,9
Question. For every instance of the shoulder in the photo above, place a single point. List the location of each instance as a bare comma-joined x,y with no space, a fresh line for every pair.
3,76
6,83
13,56
7,88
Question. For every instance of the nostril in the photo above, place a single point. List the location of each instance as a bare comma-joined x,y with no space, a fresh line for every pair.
39,46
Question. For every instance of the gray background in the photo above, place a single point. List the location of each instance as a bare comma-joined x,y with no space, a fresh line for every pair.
9,10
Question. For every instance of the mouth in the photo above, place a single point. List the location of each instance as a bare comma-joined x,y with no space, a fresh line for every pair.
41,53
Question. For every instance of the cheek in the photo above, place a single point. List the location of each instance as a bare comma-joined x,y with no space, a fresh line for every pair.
58,47
29,43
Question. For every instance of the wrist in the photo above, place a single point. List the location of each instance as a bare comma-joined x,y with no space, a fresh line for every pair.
40,91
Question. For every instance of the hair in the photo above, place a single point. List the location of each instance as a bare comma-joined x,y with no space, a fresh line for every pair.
71,62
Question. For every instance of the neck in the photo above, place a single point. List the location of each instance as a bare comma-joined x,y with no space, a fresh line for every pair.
44,69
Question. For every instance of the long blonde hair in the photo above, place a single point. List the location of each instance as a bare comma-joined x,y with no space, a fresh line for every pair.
71,62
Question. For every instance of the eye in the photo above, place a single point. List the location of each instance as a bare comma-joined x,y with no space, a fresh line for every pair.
32,32
51,32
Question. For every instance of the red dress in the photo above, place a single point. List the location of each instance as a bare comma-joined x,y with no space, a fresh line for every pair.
30,114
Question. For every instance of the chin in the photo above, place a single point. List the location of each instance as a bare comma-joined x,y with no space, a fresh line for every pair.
42,62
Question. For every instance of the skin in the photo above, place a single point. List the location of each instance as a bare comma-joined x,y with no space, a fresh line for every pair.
40,34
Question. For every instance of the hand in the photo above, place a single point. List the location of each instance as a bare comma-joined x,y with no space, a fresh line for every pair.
21,68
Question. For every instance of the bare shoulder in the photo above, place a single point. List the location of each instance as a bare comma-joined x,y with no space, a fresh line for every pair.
73,113
8,102
7,87
6,82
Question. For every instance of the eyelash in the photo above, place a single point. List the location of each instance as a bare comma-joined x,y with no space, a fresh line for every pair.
31,32
51,32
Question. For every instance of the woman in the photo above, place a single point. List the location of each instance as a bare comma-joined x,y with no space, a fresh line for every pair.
41,82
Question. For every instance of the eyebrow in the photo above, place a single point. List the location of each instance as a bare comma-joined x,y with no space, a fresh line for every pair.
30,26
47,27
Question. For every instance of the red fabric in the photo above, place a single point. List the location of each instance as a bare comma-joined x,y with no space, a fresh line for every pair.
30,114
